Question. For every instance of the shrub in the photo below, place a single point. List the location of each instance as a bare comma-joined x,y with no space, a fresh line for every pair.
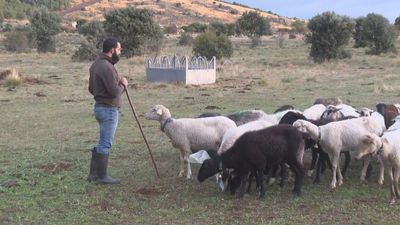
93,31
135,28
195,28
209,44
359,39
13,79
86,52
171,29
16,41
397,23
378,34
299,26
44,26
185,39
329,33
252,24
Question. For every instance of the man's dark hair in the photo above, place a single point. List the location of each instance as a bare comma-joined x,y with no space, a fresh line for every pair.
109,43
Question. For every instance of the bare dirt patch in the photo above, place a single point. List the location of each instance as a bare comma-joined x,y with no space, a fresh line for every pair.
56,167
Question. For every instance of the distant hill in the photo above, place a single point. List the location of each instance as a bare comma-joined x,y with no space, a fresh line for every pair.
171,12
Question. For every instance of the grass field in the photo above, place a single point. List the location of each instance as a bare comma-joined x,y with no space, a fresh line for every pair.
48,129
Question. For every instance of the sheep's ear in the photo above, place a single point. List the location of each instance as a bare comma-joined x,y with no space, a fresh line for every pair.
159,111
385,141
368,139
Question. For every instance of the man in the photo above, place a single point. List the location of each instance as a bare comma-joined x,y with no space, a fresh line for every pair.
107,88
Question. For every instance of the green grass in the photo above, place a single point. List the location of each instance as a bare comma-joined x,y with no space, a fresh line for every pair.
45,141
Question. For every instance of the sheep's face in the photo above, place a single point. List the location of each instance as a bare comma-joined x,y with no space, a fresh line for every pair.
154,113
332,113
370,143
207,169
300,125
365,111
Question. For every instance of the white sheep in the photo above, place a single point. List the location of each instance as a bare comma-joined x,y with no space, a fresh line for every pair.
314,112
388,148
339,136
190,134
234,133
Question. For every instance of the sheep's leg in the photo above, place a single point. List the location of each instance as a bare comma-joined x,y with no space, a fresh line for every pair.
396,177
314,161
262,185
334,157
243,181
366,161
347,160
187,164
251,176
182,164
382,170
298,170
392,191
283,174
317,179
339,173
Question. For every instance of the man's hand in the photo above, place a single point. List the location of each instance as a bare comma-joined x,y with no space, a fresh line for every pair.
124,81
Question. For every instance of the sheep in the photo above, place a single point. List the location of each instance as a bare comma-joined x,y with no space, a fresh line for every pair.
246,116
190,134
231,136
317,152
328,101
339,136
388,111
284,108
254,150
270,146
314,112
388,148
234,133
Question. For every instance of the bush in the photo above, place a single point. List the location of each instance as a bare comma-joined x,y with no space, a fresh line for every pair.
135,28
86,52
16,41
397,23
252,24
359,39
299,26
93,31
185,39
195,28
209,44
329,33
171,29
378,34
44,26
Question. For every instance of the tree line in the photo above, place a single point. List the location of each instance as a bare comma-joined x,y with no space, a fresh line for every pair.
328,33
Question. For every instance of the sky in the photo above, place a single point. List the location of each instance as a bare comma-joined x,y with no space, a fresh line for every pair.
306,9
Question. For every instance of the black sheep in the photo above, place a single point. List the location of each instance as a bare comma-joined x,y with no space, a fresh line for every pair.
319,157
253,151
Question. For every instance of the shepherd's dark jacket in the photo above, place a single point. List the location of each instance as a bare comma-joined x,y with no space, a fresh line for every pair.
104,82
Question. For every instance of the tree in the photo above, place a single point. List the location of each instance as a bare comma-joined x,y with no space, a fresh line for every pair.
95,34
252,24
219,28
329,33
44,25
208,44
299,26
397,23
379,35
135,28
359,39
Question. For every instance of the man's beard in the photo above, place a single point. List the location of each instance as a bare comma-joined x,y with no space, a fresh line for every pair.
115,57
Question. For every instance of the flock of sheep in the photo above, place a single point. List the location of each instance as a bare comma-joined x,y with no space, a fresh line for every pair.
249,144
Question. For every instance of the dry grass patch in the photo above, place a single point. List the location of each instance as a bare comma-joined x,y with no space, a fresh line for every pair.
11,78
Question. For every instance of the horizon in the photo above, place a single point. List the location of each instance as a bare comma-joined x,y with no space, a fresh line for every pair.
303,9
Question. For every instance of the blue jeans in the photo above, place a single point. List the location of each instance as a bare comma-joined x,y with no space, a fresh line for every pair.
107,117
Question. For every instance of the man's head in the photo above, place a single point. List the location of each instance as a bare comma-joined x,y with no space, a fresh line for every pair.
112,47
